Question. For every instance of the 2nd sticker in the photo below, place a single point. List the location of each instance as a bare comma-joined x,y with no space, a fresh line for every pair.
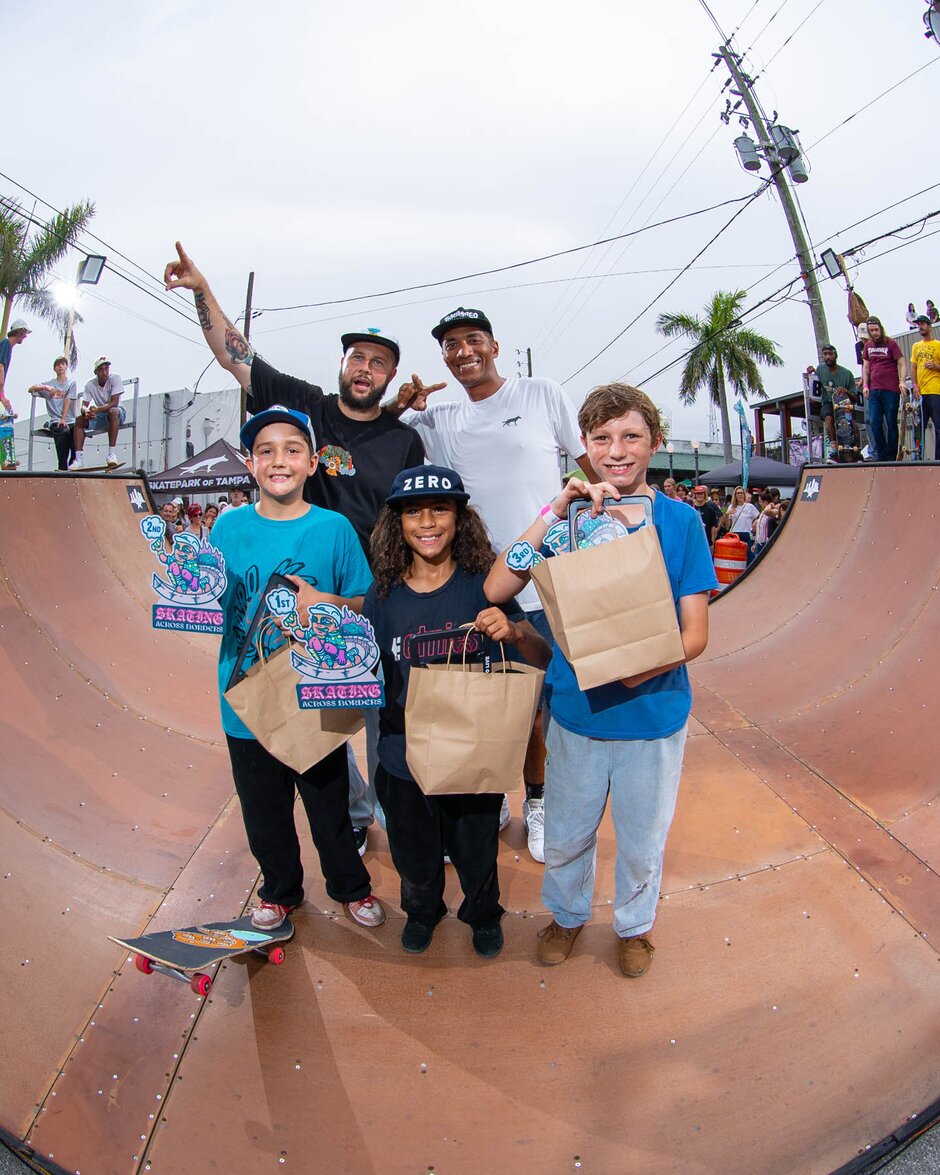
192,583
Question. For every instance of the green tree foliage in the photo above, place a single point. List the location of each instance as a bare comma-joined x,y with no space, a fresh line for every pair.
28,251
723,353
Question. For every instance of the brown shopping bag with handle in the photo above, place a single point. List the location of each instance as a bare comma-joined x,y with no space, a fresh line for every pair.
265,698
610,606
466,729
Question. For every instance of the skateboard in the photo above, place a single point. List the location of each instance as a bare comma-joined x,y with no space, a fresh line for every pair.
95,468
183,953
7,443
912,429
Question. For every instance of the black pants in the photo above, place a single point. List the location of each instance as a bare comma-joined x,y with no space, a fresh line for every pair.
419,827
266,788
64,444
931,406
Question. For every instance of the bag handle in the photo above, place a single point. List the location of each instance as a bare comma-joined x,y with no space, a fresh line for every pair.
253,635
575,508
487,668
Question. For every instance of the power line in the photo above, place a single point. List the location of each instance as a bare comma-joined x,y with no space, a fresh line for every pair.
87,232
774,56
559,330
670,284
501,289
501,268
771,297
883,94
662,142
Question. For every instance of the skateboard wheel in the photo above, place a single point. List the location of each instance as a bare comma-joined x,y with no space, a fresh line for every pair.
201,984
142,963
276,956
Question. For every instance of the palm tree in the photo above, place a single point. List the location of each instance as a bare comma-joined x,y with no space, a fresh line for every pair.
26,259
723,351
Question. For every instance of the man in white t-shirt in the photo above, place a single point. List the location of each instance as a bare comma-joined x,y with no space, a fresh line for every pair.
503,439
101,410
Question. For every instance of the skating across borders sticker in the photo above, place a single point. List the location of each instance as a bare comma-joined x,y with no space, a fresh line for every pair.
339,654
193,584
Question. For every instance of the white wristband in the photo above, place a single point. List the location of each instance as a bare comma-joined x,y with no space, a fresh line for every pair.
548,515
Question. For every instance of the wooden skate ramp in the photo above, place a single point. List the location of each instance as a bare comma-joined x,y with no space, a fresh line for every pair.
788,1023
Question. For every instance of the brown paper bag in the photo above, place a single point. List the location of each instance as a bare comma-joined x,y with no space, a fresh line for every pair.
265,699
610,608
466,731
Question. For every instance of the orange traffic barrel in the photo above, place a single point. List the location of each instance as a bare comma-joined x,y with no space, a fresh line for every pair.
730,560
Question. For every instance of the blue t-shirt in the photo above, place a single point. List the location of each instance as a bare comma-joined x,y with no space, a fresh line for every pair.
320,547
659,707
400,619
6,351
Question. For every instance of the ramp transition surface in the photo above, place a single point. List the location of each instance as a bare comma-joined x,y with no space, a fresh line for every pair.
788,1024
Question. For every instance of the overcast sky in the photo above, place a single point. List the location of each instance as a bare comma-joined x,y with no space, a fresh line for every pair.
346,150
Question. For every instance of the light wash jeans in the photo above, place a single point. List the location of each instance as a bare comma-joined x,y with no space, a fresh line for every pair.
642,780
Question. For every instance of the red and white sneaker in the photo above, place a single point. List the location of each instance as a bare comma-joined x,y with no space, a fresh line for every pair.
269,915
368,912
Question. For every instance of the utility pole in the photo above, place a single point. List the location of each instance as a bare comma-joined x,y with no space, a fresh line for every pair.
244,397
743,88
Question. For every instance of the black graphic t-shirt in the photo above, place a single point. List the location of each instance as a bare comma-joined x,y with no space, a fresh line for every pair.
358,458
400,621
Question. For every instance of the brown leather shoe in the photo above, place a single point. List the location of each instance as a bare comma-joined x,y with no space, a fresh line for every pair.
636,955
555,943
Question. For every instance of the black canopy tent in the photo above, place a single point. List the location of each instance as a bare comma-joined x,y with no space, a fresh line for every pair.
220,467
763,472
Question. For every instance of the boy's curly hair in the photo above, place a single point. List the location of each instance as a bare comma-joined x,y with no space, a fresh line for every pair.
391,556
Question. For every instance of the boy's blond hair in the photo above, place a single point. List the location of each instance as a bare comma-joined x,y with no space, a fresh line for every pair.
611,401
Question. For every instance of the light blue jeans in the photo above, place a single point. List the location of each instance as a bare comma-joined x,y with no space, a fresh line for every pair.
642,780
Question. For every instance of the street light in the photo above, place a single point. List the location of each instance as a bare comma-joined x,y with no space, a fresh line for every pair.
695,455
670,449
89,271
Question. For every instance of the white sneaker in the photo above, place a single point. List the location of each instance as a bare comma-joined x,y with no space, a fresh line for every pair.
269,915
367,912
533,820
504,814
112,461
78,461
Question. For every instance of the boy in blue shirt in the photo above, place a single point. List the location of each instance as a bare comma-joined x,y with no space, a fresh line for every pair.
623,740
318,551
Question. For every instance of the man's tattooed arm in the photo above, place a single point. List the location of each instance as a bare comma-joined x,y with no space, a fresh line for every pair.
236,345
202,310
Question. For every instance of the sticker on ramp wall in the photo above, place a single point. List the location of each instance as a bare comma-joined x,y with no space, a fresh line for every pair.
137,500
194,579
812,489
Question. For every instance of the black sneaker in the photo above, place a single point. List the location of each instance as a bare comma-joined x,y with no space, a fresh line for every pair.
416,937
488,941
360,835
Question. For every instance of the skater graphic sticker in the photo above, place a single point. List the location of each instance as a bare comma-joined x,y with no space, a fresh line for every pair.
339,654
193,581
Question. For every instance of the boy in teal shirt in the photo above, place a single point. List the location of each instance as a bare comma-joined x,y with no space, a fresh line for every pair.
318,551
623,740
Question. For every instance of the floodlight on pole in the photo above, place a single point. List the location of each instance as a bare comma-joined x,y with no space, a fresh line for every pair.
670,449
89,271
830,259
695,445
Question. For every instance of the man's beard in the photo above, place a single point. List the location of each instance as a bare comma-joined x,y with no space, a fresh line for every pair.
359,402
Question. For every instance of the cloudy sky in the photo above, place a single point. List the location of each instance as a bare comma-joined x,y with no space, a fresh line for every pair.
341,151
